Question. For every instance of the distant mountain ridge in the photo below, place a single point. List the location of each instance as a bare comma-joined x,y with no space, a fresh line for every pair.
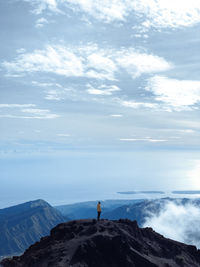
141,210
88,243
24,224
88,210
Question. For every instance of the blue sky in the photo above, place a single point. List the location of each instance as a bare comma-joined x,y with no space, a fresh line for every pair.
97,97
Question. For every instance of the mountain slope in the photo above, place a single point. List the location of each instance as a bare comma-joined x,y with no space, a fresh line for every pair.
88,243
24,224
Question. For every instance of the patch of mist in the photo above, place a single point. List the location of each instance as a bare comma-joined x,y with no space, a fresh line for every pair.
176,221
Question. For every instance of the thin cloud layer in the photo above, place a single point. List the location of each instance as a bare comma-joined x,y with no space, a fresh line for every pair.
20,111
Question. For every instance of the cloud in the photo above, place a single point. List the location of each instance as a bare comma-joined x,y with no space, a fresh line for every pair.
134,104
102,90
42,84
178,222
142,139
41,22
116,115
87,61
27,108
56,95
101,66
154,13
175,94
63,135
41,5
173,14
138,63
57,59
17,105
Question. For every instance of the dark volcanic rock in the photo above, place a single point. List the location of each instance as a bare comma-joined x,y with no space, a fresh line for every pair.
24,224
88,243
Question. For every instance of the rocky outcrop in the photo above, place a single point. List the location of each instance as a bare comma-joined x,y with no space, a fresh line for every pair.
88,243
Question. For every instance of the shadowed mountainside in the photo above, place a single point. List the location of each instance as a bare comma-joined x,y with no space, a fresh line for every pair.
24,224
88,243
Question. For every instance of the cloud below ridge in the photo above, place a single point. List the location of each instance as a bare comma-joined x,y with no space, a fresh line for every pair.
177,221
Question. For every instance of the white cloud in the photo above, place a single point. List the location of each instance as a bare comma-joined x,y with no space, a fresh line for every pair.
55,95
173,13
177,222
102,90
53,59
100,66
156,13
176,94
40,22
142,139
17,105
40,113
116,115
63,135
88,61
27,108
138,63
42,84
42,5
134,104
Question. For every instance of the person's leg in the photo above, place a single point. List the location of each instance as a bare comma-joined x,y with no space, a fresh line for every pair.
98,216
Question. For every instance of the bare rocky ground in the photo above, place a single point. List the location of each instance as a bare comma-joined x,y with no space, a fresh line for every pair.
88,243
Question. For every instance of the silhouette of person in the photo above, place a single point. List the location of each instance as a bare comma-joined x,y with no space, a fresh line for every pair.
98,210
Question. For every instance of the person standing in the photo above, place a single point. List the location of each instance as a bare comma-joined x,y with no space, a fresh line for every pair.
98,210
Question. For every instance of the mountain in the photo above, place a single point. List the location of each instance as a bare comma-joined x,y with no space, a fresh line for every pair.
24,224
86,210
88,243
140,210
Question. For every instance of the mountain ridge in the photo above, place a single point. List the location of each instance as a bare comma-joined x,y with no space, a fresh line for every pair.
24,224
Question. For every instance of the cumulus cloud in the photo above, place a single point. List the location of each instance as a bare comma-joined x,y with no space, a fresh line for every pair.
88,61
156,13
176,94
177,221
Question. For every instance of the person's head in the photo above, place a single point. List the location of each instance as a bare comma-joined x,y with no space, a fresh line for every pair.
99,202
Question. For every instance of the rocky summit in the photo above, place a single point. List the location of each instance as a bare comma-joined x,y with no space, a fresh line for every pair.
89,243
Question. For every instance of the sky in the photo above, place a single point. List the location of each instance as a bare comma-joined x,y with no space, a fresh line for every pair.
98,97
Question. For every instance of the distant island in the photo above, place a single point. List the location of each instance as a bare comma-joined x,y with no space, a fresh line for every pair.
141,192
